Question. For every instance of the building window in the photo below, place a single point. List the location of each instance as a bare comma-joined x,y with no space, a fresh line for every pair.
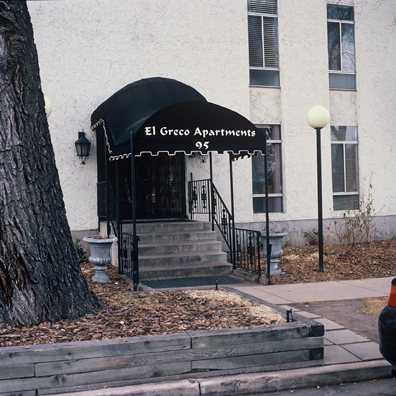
274,164
263,43
341,46
345,168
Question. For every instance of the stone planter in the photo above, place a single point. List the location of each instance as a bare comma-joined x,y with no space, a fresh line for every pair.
100,255
275,239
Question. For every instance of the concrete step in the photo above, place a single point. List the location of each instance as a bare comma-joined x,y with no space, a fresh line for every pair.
161,238
181,247
172,249
181,259
168,227
204,269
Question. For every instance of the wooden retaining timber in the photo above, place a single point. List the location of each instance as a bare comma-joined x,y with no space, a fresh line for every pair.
58,368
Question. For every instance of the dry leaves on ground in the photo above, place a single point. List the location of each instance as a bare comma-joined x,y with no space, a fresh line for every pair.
126,313
374,306
340,262
129,314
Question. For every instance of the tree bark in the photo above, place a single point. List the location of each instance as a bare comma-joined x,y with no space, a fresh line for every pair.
40,276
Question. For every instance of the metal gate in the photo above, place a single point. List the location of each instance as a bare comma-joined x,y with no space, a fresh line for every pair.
160,186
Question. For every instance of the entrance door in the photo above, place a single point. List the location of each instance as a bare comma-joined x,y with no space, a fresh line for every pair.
160,186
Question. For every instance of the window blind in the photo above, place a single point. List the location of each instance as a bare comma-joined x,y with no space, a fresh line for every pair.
271,42
263,6
255,41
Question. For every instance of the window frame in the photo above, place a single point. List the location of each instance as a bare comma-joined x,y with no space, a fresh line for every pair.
263,15
346,193
340,22
272,195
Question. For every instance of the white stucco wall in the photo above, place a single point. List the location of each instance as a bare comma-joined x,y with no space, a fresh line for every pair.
304,83
376,98
89,49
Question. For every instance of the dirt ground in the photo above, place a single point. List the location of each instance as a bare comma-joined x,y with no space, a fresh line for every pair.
127,314
340,262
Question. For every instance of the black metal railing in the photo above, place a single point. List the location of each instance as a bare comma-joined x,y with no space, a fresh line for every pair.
127,250
244,246
128,256
203,198
248,255
107,204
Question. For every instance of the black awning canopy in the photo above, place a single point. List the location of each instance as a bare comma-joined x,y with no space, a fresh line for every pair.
165,115
161,115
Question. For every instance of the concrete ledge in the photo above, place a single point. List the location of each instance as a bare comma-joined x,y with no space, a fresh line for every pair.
250,384
247,384
176,388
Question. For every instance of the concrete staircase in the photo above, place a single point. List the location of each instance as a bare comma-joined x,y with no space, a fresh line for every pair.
179,249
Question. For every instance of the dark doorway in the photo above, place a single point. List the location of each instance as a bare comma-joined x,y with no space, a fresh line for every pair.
160,186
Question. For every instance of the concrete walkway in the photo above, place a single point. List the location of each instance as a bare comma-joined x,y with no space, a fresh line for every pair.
341,345
348,357
320,291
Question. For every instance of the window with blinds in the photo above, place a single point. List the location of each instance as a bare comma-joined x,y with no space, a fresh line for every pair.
341,46
345,167
263,42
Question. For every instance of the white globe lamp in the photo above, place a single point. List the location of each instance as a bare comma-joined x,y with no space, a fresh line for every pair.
318,117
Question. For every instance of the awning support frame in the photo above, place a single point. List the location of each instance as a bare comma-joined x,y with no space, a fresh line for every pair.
134,252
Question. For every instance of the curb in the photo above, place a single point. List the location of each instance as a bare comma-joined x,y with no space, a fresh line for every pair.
248,384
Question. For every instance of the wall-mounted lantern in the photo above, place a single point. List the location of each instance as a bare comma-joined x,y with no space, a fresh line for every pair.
83,147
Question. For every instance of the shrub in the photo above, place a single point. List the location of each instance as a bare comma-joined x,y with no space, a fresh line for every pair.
312,237
357,225
82,254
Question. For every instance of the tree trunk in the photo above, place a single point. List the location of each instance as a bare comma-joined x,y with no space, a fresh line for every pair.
40,276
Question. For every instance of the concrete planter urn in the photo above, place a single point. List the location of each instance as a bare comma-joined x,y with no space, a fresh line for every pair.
100,255
275,239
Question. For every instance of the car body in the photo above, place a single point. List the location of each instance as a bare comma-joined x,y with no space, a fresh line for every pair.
387,329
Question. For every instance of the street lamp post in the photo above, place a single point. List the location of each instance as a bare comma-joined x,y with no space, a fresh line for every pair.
318,117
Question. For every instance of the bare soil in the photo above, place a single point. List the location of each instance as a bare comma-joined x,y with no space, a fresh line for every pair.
128,314
340,262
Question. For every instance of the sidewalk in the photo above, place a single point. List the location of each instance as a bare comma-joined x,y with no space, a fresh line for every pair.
348,357
341,345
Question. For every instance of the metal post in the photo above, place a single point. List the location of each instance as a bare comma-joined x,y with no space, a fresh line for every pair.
258,253
118,217
107,187
135,270
211,191
269,247
232,212
320,206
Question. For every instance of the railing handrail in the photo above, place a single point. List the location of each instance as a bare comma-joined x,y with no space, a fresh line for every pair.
212,202
252,263
114,217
